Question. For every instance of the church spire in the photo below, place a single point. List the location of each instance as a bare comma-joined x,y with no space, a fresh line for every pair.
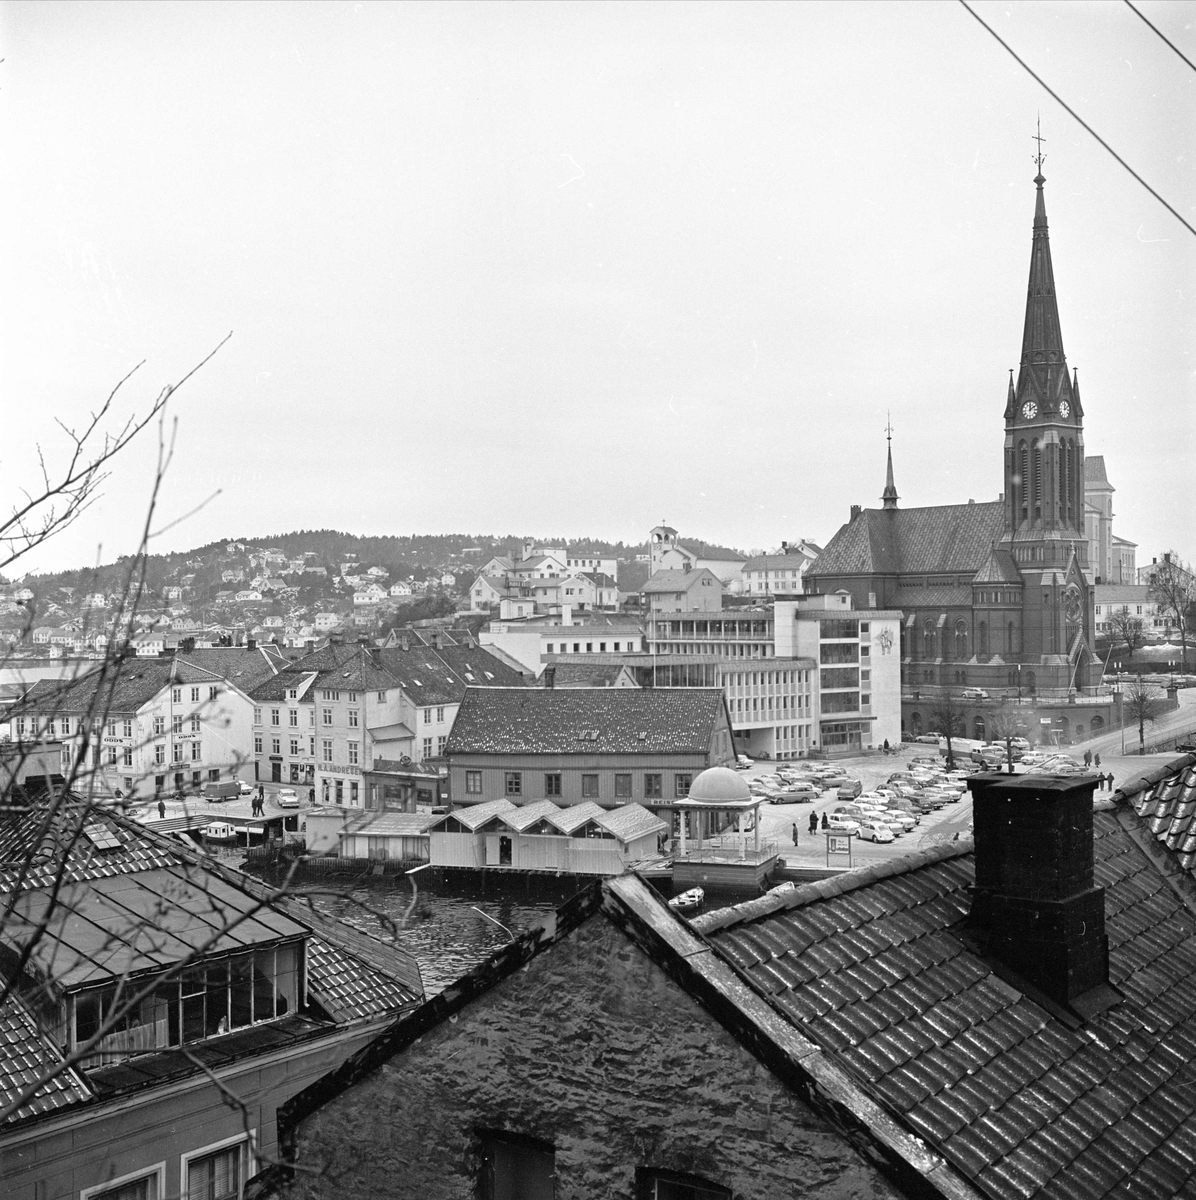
889,495
1042,376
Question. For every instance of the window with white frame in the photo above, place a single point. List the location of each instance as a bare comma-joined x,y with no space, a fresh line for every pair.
294,717
257,715
195,695
327,749
352,753
427,747
176,695
145,1184
353,718
217,1172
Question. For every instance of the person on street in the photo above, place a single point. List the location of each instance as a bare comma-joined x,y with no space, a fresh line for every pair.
1096,761
311,795
1087,758
813,822
795,833
161,809
825,823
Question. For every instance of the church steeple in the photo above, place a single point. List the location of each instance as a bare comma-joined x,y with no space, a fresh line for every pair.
1042,377
889,495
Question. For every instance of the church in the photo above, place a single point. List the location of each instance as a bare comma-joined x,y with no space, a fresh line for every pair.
994,595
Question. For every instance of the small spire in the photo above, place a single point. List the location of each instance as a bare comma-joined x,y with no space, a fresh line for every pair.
889,495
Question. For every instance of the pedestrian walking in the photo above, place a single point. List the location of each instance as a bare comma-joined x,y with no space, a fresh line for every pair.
795,833
1096,760
311,795
161,809
813,822
1087,758
825,823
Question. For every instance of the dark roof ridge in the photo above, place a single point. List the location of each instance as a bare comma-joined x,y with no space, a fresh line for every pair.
824,889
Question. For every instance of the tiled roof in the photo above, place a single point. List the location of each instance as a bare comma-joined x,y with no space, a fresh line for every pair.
932,597
775,562
1094,470
1165,799
1122,593
25,1058
241,667
951,538
554,720
676,581
1019,1100
116,687
998,568
596,674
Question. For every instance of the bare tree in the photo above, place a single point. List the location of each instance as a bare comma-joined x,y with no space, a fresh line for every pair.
947,717
53,805
1141,704
1173,589
1126,628
1004,724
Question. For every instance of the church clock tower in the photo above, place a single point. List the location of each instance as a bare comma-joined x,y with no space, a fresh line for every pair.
1044,484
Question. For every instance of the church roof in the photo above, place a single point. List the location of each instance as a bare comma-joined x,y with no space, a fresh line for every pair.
934,597
1094,471
951,538
999,568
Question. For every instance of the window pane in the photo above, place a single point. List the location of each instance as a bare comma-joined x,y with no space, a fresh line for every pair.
215,1176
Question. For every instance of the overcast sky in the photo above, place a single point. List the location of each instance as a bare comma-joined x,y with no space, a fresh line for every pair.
569,269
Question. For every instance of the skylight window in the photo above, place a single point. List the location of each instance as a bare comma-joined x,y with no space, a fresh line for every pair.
100,836
588,735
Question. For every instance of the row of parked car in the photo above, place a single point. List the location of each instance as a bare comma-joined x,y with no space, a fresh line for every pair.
796,785
886,812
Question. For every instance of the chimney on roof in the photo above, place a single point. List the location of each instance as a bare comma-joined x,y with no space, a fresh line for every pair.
550,677
309,645
435,639
250,644
855,512
1035,907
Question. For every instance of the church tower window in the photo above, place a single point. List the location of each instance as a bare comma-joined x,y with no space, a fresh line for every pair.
982,637
928,640
961,641
1024,482
1036,466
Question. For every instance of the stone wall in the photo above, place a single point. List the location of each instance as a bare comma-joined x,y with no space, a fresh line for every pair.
592,1048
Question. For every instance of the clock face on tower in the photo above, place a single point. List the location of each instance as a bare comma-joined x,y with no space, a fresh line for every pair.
1064,408
1029,410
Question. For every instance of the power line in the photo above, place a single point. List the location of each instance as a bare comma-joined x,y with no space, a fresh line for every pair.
1072,113
1162,36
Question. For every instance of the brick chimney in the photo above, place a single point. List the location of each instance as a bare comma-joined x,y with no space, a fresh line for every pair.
1035,906
550,677
856,509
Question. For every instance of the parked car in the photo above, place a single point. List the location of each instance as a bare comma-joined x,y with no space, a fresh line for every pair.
246,789
876,831
796,793
742,762
842,823
973,693
849,789
930,739
287,798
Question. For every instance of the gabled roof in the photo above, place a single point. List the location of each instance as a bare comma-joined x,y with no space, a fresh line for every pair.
776,562
953,538
598,674
631,821
242,667
1122,593
476,815
677,581
116,687
560,721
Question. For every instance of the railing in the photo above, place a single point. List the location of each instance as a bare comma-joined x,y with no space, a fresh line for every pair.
727,848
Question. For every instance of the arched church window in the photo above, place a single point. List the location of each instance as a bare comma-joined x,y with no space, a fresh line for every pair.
928,640
1036,477
961,640
983,637
1023,480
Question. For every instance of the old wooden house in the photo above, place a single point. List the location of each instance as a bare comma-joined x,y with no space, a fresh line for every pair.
607,746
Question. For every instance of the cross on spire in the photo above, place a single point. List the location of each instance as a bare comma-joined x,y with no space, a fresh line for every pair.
1039,158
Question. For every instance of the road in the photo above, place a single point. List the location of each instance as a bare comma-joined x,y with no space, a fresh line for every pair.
1183,719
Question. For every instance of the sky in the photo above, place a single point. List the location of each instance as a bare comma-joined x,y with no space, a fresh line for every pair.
572,269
